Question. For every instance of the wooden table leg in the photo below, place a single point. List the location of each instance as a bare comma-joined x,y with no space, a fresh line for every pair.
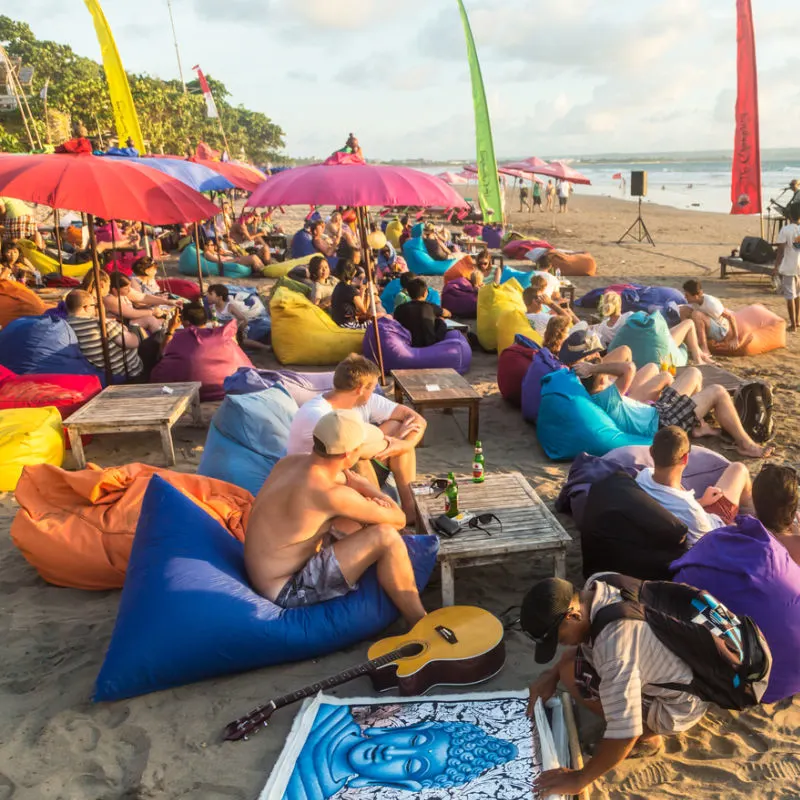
76,444
448,584
166,443
474,421
197,413
398,392
560,564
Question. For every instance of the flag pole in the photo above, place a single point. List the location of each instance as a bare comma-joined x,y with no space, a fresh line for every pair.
177,49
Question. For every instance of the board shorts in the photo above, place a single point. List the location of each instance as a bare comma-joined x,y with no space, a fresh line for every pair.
724,509
537,200
23,227
718,329
562,201
319,580
676,409
790,287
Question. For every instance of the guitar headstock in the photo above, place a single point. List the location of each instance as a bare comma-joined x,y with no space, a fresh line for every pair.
240,729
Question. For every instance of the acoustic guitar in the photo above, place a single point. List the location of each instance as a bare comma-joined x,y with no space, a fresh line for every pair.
454,646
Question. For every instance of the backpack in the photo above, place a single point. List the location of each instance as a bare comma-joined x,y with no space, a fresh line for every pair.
753,402
728,656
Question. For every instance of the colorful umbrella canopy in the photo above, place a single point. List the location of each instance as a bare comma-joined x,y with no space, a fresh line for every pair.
454,179
197,176
106,187
357,185
558,169
512,173
242,176
526,165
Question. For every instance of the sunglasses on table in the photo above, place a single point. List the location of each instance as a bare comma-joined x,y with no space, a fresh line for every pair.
451,527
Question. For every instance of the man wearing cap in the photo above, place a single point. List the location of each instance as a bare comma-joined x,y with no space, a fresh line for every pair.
642,402
316,526
616,676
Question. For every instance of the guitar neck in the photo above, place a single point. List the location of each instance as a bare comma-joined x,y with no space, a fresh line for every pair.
338,680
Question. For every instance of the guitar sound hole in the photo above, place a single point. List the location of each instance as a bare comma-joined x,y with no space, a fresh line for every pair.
412,649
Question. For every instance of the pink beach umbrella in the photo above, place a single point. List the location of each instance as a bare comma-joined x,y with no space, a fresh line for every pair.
454,178
558,169
356,185
526,165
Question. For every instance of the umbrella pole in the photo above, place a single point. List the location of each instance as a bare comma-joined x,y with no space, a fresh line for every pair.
361,216
147,249
101,310
199,260
57,231
119,298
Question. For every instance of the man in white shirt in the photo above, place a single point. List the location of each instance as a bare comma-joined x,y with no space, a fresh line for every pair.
712,320
787,264
563,188
354,383
719,504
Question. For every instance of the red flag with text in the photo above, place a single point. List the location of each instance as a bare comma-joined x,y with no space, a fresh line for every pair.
211,106
746,177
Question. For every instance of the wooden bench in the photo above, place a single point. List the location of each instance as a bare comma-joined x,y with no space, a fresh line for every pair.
132,409
528,527
713,373
729,262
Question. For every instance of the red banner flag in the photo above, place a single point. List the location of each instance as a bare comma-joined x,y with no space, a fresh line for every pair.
211,106
746,177
617,176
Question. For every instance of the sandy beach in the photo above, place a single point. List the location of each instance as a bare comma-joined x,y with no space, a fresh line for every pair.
55,744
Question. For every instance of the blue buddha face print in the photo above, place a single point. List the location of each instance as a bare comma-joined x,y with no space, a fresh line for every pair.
472,751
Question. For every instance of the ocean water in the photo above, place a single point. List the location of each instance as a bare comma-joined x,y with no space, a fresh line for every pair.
694,181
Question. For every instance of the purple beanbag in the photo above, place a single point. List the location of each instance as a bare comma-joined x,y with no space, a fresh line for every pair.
543,363
750,571
454,351
302,386
207,355
460,298
492,236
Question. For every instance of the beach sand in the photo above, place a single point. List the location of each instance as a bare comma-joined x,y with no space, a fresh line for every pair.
56,744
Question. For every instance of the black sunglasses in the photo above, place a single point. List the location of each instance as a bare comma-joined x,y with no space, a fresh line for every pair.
478,522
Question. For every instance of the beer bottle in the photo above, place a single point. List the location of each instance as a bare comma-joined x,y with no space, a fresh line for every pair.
451,496
478,464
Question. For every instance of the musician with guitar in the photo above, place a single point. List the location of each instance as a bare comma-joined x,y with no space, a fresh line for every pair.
316,526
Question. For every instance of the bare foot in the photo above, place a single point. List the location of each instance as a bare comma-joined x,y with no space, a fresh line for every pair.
755,451
704,429
647,746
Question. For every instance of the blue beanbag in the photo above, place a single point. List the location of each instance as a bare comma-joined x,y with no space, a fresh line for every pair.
187,612
650,341
36,345
302,244
570,423
394,287
419,261
247,437
543,363
187,265
523,277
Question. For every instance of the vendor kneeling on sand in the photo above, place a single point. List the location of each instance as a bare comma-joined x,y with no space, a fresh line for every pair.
316,526
354,384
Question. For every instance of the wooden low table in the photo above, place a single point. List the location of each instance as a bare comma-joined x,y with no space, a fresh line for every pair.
713,373
130,409
438,388
528,527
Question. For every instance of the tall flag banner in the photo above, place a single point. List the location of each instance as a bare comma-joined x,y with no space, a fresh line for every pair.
746,177
211,106
488,181
125,119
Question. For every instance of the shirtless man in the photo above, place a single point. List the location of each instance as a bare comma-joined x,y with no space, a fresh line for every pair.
316,526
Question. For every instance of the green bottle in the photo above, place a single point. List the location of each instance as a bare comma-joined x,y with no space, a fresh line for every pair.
478,464
451,496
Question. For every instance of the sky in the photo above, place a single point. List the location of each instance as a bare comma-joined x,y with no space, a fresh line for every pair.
565,78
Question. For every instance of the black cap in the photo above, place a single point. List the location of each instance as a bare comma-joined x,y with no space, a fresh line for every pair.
543,610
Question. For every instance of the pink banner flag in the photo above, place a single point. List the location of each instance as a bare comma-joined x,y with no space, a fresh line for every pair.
746,177
211,106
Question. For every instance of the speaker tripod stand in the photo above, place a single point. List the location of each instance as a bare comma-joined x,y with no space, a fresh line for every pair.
638,231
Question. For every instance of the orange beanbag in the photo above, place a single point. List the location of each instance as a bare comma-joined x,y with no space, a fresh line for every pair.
17,301
572,264
760,331
77,528
463,268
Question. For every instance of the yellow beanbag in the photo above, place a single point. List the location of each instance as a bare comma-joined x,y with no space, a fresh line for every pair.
394,230
277,269
303,333
509,324
28,436
493,300
47,265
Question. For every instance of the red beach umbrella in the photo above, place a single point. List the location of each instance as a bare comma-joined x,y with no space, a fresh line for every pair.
104,187
242,176
526,165
558,169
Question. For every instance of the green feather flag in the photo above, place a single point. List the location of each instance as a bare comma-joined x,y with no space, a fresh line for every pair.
488,181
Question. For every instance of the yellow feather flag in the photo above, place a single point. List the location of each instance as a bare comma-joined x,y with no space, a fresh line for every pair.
125,119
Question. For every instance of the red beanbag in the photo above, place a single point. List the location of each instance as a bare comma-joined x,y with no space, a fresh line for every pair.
519,248
760,331
207,355
188,290
66,392
512,366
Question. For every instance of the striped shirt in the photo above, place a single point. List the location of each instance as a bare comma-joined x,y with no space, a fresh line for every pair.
629,658
87,330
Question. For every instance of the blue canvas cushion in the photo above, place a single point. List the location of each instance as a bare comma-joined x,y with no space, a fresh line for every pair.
649,339
570,423
394,287
247,437
187,612
419,260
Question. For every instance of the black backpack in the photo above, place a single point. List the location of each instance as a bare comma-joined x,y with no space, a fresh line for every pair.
753,401
728,656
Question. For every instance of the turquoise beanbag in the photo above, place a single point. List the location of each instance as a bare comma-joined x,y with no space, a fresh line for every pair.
394,287
523,277
569,422
187,265
649,339
248,435
419,261
187,611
